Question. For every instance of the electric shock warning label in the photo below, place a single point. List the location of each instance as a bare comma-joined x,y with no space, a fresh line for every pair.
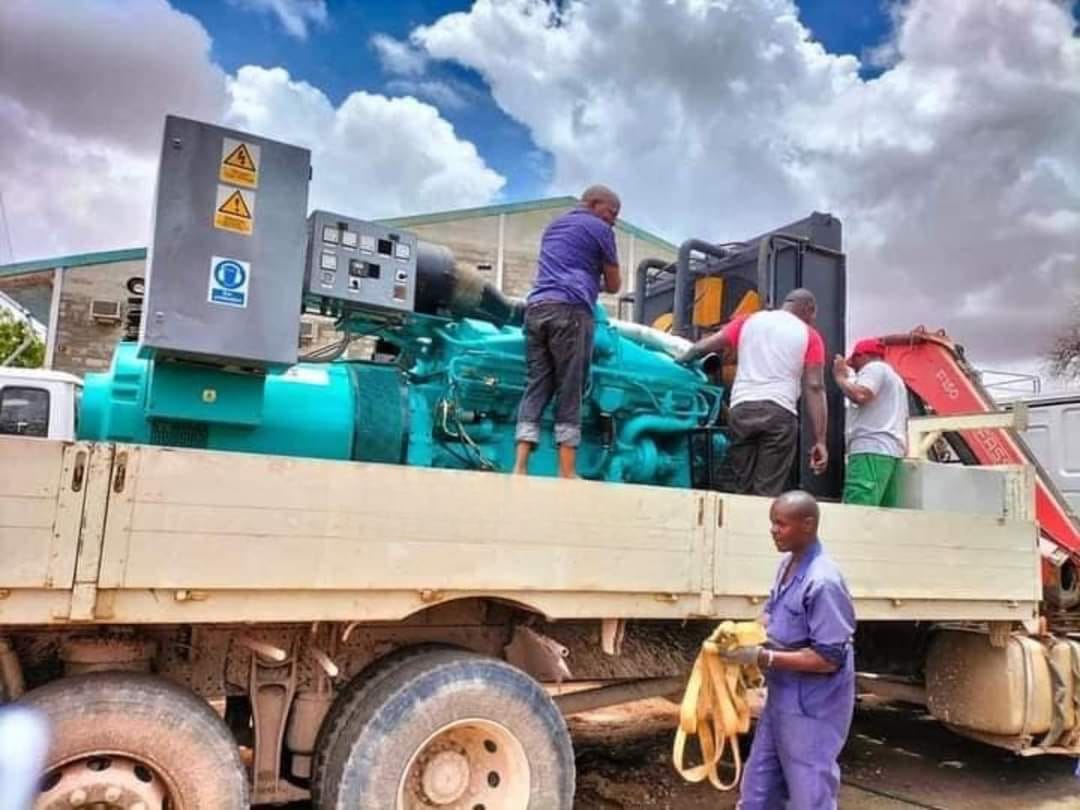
239,163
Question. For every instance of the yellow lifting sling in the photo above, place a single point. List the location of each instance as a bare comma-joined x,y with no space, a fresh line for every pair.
715,708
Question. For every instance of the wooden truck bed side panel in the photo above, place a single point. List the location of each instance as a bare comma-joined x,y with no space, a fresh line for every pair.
40,510
164,535
229,521
957,565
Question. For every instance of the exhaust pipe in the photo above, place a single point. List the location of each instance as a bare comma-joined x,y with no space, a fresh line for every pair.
443,287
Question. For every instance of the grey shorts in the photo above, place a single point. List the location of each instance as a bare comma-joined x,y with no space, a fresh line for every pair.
558,348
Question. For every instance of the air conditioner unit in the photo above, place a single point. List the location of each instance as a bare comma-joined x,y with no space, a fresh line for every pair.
105,310
307,332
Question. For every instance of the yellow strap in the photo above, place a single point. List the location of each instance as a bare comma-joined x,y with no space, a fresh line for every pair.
715,708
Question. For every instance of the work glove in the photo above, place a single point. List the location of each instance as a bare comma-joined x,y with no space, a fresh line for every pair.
742,656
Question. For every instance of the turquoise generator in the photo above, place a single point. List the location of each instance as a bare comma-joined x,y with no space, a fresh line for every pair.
215,365
444,395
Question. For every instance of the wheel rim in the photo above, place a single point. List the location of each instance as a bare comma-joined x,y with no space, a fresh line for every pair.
104,782
467,765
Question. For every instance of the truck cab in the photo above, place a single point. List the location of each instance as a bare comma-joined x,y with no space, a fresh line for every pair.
39,403
1053,434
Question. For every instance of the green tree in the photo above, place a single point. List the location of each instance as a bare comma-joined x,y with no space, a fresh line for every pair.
12,334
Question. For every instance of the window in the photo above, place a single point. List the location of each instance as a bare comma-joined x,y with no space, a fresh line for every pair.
24,411
1070,439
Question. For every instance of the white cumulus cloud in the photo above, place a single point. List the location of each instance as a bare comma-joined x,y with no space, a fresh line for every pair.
294,15
408,64
956,172
81,124
446,95
81,120
373,155
397,57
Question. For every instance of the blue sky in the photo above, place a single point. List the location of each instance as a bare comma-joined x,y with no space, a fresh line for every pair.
338,58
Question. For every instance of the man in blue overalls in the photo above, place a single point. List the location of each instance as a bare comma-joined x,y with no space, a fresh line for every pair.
809,669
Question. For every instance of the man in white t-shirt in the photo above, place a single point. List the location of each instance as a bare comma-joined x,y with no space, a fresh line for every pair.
781,357
877,423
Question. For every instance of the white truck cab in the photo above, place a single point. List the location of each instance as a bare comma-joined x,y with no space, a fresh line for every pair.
1053,435
39,403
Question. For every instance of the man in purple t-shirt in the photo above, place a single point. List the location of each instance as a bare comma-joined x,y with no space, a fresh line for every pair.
577,255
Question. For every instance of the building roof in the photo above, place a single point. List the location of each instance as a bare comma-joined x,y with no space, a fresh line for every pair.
75,260
517,208
454,214
139,254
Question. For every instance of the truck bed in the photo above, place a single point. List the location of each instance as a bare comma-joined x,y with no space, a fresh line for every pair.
114,533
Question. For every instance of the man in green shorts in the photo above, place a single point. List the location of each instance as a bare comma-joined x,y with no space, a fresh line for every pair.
877,423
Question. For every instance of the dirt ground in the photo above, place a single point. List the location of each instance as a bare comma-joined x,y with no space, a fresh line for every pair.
895,759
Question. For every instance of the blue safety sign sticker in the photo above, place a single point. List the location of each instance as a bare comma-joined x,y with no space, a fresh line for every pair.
229,280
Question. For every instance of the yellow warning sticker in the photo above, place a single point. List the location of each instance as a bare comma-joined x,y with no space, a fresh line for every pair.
235,210
239,163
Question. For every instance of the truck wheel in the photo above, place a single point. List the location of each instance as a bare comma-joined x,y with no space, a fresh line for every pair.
350,696
454,730
133,741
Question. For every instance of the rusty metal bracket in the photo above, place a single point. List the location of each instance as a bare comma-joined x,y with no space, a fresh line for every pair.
271,688
542,657
612,633
1000,633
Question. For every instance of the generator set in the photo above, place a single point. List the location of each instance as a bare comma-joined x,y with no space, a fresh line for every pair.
235,261
216,365
444,394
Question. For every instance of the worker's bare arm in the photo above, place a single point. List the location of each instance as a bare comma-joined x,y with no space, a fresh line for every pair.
612,278
856,393
813,386
712,344
859,394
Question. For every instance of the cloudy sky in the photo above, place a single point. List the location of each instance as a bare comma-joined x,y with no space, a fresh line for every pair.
944,133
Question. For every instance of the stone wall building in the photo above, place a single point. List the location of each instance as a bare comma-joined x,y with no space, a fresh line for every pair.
83,299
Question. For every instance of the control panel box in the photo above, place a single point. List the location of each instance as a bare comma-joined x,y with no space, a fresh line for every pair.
226,265
356,264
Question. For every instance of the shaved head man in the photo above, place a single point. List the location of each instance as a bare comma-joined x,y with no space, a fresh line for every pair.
603,202
781,357
809,666
577,257
800,511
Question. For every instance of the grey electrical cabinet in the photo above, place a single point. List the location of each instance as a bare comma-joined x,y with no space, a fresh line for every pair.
226,264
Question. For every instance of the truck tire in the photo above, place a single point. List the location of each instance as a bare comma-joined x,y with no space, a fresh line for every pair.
449,728
121,738
346,701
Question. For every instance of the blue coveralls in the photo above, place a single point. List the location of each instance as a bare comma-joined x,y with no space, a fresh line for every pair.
807,715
